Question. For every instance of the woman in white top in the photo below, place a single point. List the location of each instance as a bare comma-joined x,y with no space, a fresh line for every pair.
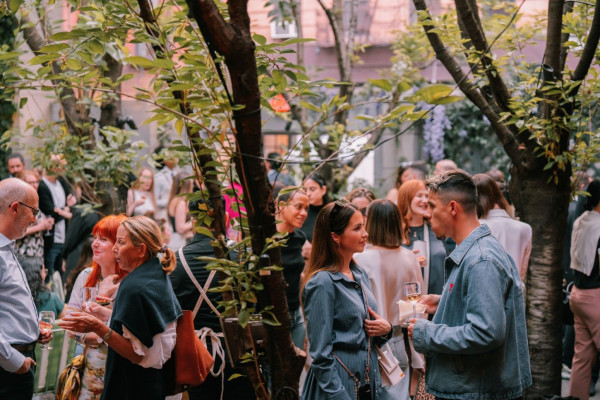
389,266
140,198
492,210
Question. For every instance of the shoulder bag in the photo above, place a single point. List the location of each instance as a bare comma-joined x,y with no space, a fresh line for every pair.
69,381
190,360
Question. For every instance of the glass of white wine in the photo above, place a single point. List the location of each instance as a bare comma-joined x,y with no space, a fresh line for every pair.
46,323
412,291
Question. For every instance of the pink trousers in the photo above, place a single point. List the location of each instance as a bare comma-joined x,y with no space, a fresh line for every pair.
585,304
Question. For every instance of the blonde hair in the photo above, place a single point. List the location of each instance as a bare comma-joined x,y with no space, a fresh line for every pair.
144,230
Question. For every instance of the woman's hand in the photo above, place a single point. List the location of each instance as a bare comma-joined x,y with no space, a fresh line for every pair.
109,286
81,322
98,311
378,326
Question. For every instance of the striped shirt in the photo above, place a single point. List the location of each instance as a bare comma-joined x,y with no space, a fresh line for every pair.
18,315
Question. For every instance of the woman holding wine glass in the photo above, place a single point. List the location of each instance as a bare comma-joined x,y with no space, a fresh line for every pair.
140,198
413,203
142,330
99,281
391,267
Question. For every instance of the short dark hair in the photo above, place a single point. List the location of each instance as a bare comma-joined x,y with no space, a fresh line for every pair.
594,190
274,160
455,185
16,155
384,224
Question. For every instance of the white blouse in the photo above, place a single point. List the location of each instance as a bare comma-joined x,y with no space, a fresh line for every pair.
162,347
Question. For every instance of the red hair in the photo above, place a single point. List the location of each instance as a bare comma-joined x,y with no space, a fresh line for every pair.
106,227
406,193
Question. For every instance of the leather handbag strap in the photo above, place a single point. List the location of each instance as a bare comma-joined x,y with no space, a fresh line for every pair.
202,290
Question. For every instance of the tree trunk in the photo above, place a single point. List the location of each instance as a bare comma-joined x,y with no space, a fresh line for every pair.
544,206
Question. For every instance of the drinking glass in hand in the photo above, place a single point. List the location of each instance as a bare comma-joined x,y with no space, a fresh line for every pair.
412,291
46,323
88,296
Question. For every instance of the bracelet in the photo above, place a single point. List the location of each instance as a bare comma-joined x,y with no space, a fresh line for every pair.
108,334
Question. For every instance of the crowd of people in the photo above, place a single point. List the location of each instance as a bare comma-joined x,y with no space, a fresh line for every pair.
345,262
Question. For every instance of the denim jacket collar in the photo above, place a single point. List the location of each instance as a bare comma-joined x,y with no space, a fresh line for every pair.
358,274
461,250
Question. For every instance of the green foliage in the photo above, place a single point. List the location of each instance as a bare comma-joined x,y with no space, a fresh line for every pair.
7,108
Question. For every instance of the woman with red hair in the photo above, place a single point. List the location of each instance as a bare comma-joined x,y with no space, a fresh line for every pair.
103,274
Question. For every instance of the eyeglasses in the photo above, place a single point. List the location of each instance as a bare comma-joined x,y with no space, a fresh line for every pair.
34,211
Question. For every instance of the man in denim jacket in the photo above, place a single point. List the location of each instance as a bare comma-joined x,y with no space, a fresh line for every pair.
476,344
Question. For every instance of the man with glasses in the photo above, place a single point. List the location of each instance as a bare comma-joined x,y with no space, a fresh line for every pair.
19,328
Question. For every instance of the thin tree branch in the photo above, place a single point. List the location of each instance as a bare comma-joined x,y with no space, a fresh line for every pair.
589,49
564,51
472,24
507,138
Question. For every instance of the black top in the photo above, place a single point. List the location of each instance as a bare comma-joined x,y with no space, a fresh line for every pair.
437,255
293,264
145,304
79,229
309,224
47,207
186,292
583,281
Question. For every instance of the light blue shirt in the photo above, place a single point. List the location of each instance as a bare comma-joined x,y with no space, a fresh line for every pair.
18,315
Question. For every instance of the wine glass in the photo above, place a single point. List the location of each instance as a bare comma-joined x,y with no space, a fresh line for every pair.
412,291
88,296
46,323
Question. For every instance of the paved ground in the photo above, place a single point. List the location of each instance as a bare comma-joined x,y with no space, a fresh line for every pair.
565,390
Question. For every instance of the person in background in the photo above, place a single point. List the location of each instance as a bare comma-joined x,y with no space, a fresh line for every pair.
406,174
274,172
163,181
476,344
316,190
140,197
414,208
15,163
492,210
342,323
222,386
292,208
55,201
444,166
31,246
585,295
361,198
44,299
183,226
142,330
19,327
389,267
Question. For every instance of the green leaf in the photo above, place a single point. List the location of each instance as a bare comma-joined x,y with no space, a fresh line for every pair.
297,40
53,48
139,61
381,83
43,58
14,5
9,55
23,101
279,80
447,100
432,93
73,64
260,39
243,318
309,106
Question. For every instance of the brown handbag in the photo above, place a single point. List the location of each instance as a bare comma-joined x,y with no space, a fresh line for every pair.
190,361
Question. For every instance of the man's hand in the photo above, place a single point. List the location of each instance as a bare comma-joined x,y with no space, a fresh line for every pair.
411,326
26,366
44,337
431,301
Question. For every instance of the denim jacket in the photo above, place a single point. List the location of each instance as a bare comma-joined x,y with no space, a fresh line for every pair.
476,344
